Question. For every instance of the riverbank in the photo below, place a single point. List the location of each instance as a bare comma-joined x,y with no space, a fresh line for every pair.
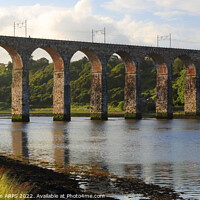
58,185
43,183
84,113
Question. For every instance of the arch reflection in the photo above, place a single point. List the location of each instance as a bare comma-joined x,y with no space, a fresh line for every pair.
20,141
60,143
96,143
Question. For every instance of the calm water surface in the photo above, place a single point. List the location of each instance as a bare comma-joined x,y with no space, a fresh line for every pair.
164,152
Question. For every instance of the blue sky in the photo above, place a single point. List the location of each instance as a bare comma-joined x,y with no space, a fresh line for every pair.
67,3
126,21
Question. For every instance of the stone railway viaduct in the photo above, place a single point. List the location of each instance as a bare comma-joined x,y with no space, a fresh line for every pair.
61,52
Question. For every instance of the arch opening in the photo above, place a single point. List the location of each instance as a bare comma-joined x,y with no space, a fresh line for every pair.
80,82
6,66
41,70
116,83
54,78
16,58
148,75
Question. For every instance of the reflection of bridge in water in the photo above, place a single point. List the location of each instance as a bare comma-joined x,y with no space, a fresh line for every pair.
20,50
20,141
20,144
98,147
60,143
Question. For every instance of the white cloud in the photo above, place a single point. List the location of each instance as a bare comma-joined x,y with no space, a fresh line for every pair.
55,22
143,33
83,8
76,23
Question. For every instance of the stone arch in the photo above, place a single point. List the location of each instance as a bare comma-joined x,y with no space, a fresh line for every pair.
189,64
164,101
20,90
61,88
128,61
191,92
15,56
98,94
56,57
17,82
94,59
131,86
160,63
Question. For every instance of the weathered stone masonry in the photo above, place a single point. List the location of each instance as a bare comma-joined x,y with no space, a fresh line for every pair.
191,91
61,93
131,96
20,50
164,99
20,95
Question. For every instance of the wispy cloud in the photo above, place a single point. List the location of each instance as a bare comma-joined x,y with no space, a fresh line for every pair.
170,15
188,7
125,5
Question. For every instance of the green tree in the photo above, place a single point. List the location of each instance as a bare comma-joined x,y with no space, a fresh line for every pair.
179,88
41,82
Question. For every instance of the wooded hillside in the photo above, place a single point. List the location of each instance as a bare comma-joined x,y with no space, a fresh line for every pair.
41,82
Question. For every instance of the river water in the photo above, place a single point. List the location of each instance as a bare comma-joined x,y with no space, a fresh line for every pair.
164,152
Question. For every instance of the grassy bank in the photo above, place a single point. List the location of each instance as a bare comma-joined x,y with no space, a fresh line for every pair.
84,111
75,111
10,186
43,181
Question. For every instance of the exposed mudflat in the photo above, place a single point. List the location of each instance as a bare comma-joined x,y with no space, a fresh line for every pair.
48,182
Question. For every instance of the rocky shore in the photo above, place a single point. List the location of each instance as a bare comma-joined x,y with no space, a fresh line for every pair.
48,184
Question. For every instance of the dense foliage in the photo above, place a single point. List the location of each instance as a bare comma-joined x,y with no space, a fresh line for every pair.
41,82
5,84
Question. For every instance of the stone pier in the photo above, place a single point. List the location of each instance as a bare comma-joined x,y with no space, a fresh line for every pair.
20,95
164,101
131,96
132,90
61,91
98,94
191,96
